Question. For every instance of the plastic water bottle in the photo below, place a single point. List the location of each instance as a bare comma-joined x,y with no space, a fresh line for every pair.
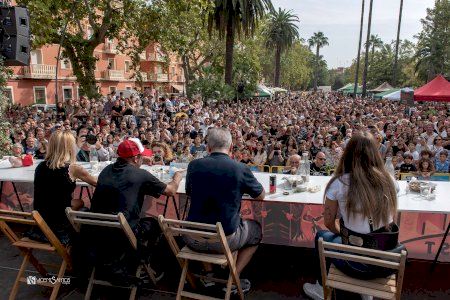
306,167
389,166
93,158
172,169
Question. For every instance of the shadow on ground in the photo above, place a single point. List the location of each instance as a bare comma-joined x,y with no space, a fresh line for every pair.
276,272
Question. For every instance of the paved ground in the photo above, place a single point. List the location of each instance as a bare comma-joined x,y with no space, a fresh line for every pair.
276,272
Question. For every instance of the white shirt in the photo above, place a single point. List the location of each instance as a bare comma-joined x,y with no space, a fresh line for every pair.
337,191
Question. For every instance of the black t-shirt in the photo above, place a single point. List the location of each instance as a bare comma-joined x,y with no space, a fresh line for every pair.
121,187
317,171
116,109
216,184
406,168
60,114
52,194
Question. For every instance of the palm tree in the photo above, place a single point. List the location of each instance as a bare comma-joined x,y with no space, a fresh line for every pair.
231,17
355,88
366,56
374,42
394,72
319,40
281,33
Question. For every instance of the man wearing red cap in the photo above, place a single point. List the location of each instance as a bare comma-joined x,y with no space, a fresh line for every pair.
122,187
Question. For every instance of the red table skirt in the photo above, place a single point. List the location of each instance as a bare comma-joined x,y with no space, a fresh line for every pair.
283,224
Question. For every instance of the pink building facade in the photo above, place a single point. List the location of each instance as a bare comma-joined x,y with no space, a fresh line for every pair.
36,83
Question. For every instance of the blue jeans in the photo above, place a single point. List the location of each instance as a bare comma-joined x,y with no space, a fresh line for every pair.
353,269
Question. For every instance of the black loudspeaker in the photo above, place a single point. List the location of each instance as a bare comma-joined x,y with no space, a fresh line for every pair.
15,36
15,21
16,50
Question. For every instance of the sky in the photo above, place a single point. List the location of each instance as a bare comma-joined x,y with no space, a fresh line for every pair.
339,20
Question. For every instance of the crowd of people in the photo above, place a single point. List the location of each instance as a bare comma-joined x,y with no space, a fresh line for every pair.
264,132
358,140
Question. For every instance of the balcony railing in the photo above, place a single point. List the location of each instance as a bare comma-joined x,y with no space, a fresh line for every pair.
144,76
110,48
113,75
155,57
160,77
39,71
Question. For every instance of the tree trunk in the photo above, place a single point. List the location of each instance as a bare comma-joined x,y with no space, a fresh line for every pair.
366,57
359,49
83,64
229,47
277,66
316,76
394,71
372,54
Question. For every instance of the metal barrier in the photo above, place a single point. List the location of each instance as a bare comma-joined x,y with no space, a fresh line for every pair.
434,177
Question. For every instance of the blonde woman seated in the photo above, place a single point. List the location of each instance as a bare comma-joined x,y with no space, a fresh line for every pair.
292,165
54,184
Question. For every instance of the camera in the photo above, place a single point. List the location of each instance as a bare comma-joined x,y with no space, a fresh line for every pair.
91,139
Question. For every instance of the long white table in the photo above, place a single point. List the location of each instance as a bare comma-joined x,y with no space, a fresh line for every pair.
411,202
407,202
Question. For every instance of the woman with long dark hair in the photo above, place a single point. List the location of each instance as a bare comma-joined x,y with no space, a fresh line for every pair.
363,193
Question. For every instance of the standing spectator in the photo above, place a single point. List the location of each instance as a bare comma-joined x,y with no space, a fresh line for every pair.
276,156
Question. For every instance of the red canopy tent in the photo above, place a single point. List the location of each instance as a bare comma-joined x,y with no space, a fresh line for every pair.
437,89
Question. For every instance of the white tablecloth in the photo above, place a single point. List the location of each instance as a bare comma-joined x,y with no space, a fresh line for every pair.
411,202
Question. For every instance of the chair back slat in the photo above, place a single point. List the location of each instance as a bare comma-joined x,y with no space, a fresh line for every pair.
193,225
362,259
195,233
363,251
96,222
19,217
78,218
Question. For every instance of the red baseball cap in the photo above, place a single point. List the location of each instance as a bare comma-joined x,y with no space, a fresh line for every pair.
132,147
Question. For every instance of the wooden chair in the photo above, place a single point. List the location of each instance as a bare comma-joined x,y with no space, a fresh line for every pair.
199,231
382,288
27,246
78,218
276,169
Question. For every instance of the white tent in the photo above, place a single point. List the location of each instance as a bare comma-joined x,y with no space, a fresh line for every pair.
395,96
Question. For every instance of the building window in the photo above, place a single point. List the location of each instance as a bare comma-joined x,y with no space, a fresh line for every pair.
173,70
128,88
111,64
36,57
40,95
127,66
159,70
67,93
112,89
8,92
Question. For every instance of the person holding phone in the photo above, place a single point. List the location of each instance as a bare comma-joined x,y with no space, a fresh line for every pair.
88,143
